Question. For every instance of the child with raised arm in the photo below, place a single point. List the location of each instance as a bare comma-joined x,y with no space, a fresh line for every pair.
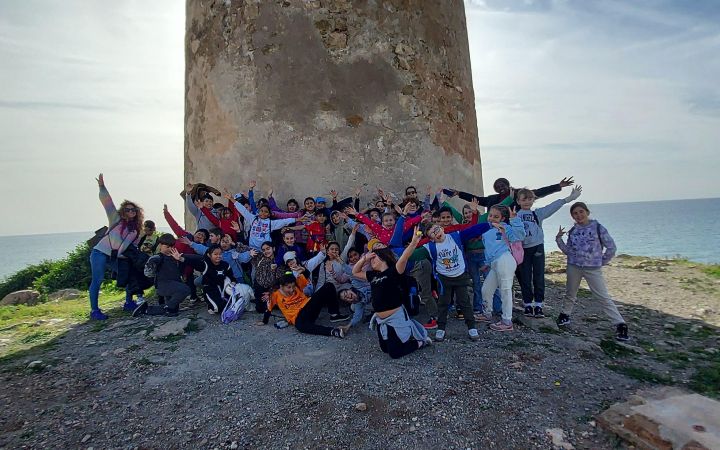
206,201
531,272
588,248
398,334
507,228
261,225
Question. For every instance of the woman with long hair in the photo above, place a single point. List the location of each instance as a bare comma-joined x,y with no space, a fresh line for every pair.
124,227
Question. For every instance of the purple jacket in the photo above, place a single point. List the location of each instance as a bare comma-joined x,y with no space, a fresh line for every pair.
585,245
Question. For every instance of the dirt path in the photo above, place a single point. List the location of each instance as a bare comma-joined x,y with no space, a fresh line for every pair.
245,386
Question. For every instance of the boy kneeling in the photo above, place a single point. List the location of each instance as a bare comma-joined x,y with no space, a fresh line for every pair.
303,311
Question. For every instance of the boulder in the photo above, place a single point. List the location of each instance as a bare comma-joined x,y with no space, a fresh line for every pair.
665,418
170,328
24,297
65,294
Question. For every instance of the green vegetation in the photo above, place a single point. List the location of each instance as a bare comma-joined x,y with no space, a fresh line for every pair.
611,348
25,330
706,380
73,271
712,270
640,374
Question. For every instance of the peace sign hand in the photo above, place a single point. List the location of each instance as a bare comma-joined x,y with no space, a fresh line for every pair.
513,212
561,232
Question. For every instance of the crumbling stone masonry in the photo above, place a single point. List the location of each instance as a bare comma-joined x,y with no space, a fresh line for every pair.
309,95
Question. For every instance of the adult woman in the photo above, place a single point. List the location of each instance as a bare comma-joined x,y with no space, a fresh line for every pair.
124,227
398,334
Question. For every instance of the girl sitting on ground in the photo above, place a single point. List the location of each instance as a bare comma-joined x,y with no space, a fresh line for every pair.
588,248
398,334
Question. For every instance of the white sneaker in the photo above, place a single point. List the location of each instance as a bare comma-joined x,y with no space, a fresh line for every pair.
440,335
473,332
140,300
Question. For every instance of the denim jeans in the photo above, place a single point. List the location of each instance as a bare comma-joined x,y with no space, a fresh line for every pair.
475,260
99,262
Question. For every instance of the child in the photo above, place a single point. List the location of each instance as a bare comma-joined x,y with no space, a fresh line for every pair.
445,252
288,245
507,228
167,267
148,241
267,272
206,201
584,249
531,272
301,311
398,334
261,225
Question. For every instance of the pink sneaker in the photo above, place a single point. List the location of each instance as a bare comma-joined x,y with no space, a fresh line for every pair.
480,317
500,326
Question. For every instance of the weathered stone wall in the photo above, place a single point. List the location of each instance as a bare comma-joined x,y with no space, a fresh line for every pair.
309,95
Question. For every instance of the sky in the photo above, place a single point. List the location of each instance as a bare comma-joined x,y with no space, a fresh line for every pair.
622,95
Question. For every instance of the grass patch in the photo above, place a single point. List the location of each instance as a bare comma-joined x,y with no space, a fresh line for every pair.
27,327
640,374
706,380
712,270
613,349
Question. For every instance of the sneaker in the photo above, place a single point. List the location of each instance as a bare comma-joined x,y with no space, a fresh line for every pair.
538,312
427,342
501,326
459,315
130,306
440,335
430,324
140,310
140,300
338,333
473,333
622,332
96,314
481,317
528,311
339,318
563,319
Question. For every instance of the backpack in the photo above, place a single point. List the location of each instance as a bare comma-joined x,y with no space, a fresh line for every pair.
152,266
236,302
455,236
516,249
412,299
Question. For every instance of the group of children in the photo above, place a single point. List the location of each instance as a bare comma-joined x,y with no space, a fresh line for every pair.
395,258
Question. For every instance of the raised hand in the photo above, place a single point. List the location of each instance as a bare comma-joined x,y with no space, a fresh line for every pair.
561,232
350,211
429,190
355,228
235,226
406,209
565,182
253,183
175,254
577,190
188,188
357,191
513,212
165,208
417,235
333,193
227,194
184,240
270,193
474,203
100,180
253,252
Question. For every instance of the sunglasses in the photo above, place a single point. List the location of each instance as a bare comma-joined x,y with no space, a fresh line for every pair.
131,210
411,193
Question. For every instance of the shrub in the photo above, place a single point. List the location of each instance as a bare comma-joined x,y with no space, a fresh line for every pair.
23,279
73,271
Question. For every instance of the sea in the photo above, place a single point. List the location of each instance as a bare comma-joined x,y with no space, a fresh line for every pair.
669,229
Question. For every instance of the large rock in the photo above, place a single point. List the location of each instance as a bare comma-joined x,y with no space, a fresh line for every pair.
170,328
327,82
666,418
24,297
65,294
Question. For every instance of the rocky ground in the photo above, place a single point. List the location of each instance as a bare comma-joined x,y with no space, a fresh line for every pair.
249,386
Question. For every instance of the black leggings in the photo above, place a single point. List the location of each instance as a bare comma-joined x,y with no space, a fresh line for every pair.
393,346
305,321
214,298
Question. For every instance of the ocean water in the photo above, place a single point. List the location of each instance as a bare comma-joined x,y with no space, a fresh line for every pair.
684,228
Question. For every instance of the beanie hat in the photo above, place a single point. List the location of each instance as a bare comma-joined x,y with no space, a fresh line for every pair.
288,256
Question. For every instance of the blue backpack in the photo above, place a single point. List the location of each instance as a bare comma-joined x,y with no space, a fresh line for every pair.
455,236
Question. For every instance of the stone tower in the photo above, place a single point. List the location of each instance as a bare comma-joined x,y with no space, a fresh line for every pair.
309,95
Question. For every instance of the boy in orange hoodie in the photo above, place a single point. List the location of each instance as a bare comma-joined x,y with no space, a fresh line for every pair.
301,311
